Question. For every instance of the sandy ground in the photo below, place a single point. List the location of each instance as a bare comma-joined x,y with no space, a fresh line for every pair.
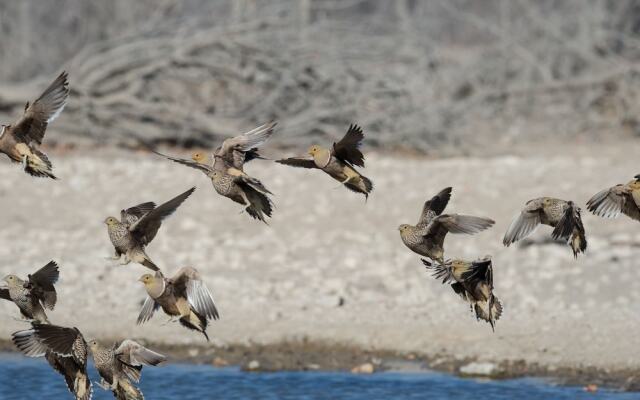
285,281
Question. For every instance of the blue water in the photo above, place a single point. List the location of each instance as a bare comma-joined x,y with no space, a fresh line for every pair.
25,379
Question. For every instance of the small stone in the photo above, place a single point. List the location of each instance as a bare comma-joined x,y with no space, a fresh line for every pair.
478,369
220,362
366,368
253,365
312,367
591,388
193,352
411,356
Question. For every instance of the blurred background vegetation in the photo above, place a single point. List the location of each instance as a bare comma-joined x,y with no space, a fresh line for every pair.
437,76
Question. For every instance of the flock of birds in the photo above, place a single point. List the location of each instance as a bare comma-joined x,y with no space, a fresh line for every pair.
185,297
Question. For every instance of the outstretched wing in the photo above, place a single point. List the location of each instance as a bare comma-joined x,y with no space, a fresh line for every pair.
131,356
298,162
67,342
438,228
480,271
524,223
188,283
440,271
435,206
148,308
42,283
348,148
609,203
234,150
33,124
131,215
189,163
145,229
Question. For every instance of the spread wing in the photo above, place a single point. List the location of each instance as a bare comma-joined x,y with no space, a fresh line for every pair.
145,229
62,341
442,224
440,271
133,214
131,356
28,343
188,283
42,284
348,148
298,162
480,271
435,206
234,150
524,223
189,163
609,203
148,308
33,124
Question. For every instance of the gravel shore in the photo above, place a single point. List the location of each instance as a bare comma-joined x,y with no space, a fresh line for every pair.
330,268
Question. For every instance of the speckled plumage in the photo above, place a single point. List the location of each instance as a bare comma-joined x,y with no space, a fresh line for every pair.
122,363
563,216
35,294
427,236
138,226
226,171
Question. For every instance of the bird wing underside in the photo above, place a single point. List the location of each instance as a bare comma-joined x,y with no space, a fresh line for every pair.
188,284
523,224
480,271
440,271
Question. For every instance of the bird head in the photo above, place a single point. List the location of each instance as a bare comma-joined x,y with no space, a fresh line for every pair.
93,345
147,279
199,157
11,280
110,221
403,228
313,150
